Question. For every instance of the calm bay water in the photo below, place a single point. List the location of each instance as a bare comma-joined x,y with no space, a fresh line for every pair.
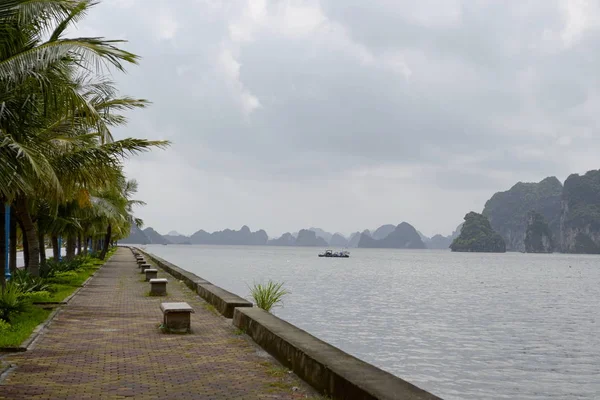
462,326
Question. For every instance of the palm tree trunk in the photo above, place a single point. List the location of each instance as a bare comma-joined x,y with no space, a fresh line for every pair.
25,243
85,245
3,248
70,247
13,241
41,239
107,238
55,249
79,244
30,232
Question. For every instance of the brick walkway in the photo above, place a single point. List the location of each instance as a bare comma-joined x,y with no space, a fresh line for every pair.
106,343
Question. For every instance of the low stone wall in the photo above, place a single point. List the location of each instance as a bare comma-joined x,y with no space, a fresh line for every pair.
225,302
325,367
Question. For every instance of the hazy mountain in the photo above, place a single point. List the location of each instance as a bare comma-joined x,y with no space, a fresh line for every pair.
507,211
309,239
477,235
404,236
177,239
136,236
173,233
155,237
580,214
321,233
383,231
424,238
354,239
439,242
337,240
230,237
285,240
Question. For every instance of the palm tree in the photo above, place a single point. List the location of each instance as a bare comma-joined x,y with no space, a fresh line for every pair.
56,116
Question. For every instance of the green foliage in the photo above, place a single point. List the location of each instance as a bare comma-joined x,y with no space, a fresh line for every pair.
12,301
29,283
538,237
268,295
4,326
477,235
52,267
38,297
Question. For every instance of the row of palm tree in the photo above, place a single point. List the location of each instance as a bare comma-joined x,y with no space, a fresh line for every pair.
61,170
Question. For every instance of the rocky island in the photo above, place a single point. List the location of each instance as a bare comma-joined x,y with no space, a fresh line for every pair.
404,236
477,235
508,211
580,214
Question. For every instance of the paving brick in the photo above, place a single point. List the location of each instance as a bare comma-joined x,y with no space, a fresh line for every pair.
106,343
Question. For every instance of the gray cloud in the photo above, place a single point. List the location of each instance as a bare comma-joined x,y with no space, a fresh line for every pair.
344,115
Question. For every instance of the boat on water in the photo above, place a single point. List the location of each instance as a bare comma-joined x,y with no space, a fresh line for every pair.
335,254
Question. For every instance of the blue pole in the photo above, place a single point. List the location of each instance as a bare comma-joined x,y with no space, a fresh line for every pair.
7,240
60,248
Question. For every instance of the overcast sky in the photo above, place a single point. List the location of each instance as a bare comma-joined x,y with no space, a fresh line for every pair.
350,114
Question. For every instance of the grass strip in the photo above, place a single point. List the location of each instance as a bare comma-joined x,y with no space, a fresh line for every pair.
22,325
61,286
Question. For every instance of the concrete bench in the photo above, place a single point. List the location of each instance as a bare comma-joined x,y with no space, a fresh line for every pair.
144,267
176,317
151,273
140,262
158,287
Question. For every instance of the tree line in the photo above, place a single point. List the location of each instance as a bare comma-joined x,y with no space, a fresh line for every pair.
61,169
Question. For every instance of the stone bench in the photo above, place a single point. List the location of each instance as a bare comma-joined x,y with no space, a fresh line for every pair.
140,262
144,267
151,273
158,287
176,317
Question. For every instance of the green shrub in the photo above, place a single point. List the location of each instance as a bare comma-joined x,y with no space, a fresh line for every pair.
12,301
4,326
52,267
27,282
38,297
268,296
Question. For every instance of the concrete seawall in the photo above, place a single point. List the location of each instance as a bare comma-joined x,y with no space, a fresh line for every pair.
325,367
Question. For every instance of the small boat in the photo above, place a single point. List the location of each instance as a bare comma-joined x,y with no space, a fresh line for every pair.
335,254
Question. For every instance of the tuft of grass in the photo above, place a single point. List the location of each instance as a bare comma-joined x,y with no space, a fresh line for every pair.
269,295
240,332
211,308
281,385
277,372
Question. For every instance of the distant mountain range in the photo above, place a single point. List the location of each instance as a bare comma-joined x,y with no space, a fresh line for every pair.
537,217
402,236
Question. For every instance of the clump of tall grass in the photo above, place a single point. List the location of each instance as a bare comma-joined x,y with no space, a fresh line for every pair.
269,295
